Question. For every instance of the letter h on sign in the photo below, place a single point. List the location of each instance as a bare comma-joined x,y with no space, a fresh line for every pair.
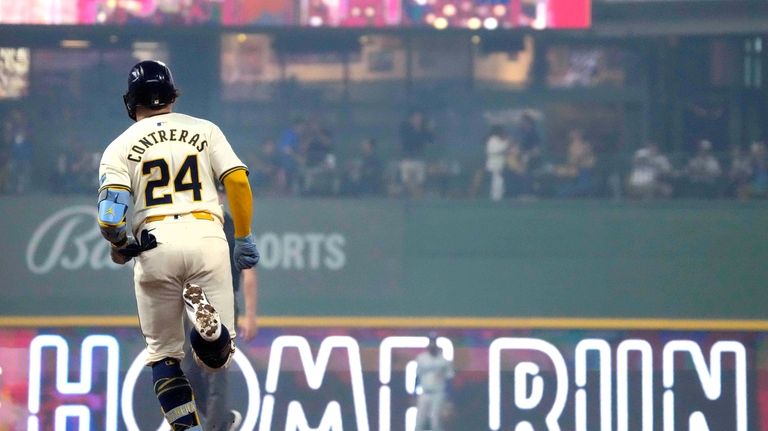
66,387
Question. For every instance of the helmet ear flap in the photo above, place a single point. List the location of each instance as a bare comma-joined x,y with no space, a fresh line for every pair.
130,105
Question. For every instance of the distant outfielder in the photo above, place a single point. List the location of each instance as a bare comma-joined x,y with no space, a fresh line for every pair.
165,166
433,375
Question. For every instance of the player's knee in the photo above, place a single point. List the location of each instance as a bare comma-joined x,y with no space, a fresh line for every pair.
213,354
174,393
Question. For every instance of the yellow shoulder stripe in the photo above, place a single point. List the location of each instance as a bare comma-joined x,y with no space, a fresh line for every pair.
230,170
115,186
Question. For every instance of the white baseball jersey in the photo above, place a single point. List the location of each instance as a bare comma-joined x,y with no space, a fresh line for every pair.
169,163
433,372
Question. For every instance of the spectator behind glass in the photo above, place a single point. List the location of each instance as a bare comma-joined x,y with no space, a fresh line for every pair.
517,177
758,182
415,135
289,147
75,170
576,175
650,174
265,167
20,162
496,146
319,173
739,173
703,172
527,134
366,172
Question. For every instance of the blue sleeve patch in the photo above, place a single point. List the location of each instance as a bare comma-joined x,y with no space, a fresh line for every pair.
113,206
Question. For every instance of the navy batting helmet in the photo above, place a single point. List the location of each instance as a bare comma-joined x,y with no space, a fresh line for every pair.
150,84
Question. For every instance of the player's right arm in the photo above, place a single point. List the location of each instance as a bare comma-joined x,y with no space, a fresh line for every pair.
113,209
114,196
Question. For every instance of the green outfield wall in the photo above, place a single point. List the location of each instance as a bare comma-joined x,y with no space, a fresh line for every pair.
702,260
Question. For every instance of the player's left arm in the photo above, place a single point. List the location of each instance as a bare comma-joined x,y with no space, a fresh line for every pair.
234,175
248,326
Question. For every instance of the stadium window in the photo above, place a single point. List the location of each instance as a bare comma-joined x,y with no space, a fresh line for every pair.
591,66
14,72
502,66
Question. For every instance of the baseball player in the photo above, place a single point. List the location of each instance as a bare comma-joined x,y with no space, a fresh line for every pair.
164,167
433,374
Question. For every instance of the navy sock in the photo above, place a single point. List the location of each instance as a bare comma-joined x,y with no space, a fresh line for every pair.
214,354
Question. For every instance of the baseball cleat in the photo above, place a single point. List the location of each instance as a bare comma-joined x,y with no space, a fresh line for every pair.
220,363
201,313
237,420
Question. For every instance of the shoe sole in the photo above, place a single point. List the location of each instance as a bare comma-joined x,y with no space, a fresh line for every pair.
206,319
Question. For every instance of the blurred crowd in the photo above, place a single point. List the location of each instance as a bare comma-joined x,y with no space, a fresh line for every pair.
515,168
512,162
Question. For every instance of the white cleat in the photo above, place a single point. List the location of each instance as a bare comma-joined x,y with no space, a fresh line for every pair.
201,313
237,420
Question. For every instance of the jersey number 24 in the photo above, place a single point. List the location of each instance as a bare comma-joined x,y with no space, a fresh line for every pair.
188,167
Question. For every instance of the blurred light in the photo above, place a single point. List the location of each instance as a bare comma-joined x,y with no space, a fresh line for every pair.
112,4
759,44
149,46
540,22
449,10
315,21
474,23
113,38
1,371
441,23
490,23
370,11
499,10
466,6
355,11
75,43
242,37
364,40
475,39
421,2
101,17
430,18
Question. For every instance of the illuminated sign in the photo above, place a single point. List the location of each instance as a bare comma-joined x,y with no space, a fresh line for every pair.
440,14
319,379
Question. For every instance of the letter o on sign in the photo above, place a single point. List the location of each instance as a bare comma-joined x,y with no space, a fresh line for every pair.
251,380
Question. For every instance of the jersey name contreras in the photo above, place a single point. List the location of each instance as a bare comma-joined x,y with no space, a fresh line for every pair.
170,163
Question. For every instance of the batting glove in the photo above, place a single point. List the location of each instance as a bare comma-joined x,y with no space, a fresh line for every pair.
133,247
245,254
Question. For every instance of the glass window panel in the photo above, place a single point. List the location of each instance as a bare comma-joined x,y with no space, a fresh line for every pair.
248,67
441,57
592,66
251,69
14,72
504,69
